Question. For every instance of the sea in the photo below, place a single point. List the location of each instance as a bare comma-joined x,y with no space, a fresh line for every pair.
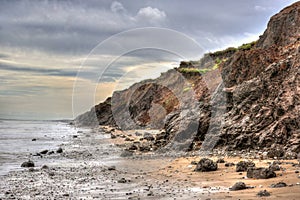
19,140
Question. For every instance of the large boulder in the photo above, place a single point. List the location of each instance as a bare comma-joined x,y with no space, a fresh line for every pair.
238,186
260,173
206,165
28,163
242,166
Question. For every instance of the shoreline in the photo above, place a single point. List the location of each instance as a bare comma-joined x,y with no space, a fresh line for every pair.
90,167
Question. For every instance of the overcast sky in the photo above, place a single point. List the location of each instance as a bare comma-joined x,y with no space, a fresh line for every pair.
44,43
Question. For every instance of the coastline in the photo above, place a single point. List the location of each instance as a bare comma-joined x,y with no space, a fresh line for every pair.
90,167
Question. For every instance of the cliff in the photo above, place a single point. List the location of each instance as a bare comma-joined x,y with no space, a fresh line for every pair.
239,98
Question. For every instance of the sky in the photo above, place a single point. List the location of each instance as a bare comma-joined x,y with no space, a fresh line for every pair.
48,46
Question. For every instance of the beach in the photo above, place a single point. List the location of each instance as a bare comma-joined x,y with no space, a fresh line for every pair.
90,167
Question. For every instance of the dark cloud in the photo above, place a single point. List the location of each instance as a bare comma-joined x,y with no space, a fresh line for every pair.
67,31
75,27
37,71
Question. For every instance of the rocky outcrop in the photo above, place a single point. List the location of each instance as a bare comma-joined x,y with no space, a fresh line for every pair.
264,100
239,98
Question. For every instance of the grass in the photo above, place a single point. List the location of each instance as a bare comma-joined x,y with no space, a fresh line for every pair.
189,70
247,46
186,89
193,70
244,47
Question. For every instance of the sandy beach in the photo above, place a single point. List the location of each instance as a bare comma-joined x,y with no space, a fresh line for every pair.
91,167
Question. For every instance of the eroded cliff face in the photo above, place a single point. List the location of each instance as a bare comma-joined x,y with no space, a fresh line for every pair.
263,103
245,98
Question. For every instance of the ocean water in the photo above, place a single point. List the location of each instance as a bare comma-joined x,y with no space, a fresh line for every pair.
17,145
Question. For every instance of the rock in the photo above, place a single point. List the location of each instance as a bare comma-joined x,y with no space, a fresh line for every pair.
28,164
133,147
263,193
278,185
229,164
161,136
122,180
194,162
34,139
148,137
277,152
111,168
59,150
206,165
260,173
50,152
138,134
274,167
150,194
112,136
126,153
221,160
238,186
242,166
44,151
144,148
45,167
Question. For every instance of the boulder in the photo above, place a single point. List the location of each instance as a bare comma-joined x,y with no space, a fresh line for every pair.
133,147
238,186
274,167
28,164
229,164
59,150
242,166
126,153
148,136
278,185
260,173
277,152
206,165
221,160
263,193
111,168
44,151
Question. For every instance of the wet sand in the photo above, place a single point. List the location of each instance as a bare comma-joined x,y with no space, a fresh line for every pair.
91,168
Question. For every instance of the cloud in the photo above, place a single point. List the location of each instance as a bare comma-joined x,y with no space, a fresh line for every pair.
152,15
44,42
117,7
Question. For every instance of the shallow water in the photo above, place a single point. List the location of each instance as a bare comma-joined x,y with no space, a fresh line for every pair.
16,145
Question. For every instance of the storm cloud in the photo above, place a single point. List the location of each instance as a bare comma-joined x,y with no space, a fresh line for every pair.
44,43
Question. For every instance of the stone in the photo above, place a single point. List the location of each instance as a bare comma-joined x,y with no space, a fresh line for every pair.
34,139
44,151
274,167
111,168
238,186
242,166
122,180
148,137
263,193
28,164
229,164
221,160
45,167
59,150
126,153
206,165
278,185
277,152
133,147
260,173
112,136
